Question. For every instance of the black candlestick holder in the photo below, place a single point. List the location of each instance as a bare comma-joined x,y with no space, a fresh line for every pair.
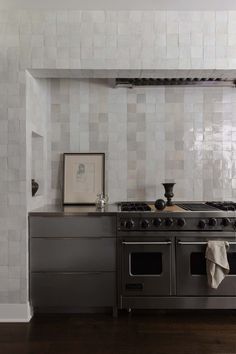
169,192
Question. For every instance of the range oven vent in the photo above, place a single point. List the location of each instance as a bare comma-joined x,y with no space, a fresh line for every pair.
203,82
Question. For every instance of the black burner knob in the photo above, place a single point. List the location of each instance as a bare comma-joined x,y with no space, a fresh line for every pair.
169,221
202,224
225,222
144,224
181,222
212,222
157,222
129,224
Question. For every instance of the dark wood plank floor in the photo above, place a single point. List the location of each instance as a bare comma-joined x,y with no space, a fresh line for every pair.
166,332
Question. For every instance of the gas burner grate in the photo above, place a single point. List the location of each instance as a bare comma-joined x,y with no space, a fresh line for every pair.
134,206
226,206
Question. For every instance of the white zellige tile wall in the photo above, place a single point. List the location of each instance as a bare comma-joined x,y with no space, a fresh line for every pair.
109,40
149,135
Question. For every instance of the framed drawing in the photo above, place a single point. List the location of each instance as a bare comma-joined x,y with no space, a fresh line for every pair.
84,177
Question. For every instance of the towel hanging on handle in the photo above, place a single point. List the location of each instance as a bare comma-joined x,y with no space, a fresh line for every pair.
217,264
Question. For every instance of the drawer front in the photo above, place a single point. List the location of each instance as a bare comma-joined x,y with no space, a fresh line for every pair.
81,226
72,290
72,254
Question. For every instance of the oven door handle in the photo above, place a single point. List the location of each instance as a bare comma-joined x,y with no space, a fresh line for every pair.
148,243
199,243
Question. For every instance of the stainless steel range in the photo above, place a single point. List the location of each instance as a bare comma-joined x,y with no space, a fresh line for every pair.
161,255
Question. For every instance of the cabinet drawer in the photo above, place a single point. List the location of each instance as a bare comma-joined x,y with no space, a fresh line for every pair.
72,290
72,254
84,226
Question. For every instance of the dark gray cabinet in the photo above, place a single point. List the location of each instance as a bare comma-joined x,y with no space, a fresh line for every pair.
73,254
73,290
72,226
72,262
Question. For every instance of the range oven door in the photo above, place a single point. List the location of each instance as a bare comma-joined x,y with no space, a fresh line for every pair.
191,268
146,267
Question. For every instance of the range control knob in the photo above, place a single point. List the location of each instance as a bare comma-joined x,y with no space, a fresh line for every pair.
169,221
129,224
144,224
202,224
212,222
157,222
225,222
181,222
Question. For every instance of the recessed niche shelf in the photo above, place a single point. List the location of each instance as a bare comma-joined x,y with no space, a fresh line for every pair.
37,162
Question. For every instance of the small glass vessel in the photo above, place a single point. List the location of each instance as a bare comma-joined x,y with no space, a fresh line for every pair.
102,200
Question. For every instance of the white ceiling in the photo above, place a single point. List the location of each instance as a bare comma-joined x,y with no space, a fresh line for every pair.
121,4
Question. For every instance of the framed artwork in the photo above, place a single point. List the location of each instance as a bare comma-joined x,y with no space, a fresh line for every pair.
84,177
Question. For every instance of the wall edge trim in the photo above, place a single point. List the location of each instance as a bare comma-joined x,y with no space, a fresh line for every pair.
15,312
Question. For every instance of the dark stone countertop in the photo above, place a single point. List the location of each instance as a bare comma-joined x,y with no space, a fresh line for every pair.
73,210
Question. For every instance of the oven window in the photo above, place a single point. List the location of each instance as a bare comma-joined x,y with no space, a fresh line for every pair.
145,263
198,263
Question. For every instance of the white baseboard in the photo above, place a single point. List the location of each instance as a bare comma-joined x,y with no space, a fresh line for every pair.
15,312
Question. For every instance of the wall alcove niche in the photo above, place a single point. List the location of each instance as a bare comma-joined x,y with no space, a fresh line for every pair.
37,131
37,166
82,111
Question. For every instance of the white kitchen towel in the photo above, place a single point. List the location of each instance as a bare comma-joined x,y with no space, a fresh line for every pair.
217,264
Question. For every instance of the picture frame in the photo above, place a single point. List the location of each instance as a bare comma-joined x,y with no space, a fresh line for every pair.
83,178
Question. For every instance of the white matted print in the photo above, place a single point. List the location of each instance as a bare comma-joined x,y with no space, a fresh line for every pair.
83,177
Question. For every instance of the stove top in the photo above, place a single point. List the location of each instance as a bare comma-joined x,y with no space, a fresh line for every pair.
183,216
183,206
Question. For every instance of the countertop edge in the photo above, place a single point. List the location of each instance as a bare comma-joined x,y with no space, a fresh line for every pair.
64,214
64,211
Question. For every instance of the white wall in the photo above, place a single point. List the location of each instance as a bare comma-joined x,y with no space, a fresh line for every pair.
149,135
